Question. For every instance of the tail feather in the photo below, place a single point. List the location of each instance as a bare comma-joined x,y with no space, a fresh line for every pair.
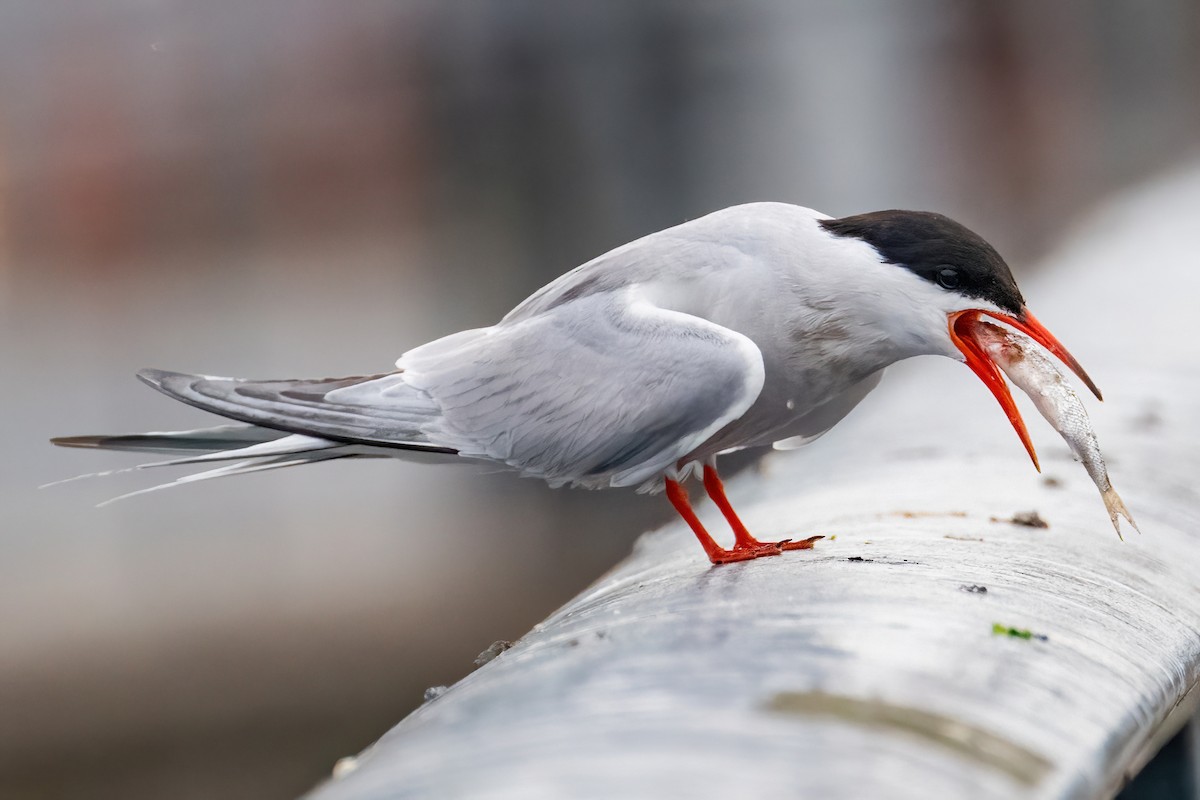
267,449
281,424
202,443
241,468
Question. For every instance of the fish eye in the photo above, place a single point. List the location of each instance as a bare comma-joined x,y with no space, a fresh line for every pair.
947,277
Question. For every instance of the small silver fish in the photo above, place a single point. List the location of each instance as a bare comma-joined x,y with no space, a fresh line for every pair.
1036,375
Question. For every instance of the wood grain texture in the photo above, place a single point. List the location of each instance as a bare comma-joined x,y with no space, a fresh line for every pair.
871,666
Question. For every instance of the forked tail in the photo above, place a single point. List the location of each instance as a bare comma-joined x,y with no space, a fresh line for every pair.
252,449
1112,501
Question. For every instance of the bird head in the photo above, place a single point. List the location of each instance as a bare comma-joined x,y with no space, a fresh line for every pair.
951,277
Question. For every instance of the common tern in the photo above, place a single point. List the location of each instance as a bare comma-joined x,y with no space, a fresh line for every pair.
761,324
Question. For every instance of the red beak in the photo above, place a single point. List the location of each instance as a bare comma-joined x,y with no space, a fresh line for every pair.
989,373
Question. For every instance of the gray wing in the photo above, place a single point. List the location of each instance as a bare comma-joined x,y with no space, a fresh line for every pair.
607,389
604,390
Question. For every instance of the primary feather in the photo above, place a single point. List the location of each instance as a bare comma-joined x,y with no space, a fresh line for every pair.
221,437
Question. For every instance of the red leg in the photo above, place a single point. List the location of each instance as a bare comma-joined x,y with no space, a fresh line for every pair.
744,541
747,547
716,491
679,498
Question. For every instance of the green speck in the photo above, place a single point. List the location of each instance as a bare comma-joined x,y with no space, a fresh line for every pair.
1017,633
833,538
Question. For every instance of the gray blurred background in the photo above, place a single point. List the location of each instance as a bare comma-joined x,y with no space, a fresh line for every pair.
281,188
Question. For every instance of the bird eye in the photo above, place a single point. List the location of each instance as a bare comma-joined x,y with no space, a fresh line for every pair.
947,277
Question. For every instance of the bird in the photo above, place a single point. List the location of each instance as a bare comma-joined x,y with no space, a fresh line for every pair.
760,324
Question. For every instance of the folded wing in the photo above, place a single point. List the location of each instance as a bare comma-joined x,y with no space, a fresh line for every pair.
606,390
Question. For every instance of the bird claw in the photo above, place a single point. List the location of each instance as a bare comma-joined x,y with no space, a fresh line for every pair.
803,544
751,550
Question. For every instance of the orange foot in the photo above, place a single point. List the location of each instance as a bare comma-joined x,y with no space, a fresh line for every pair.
746,547
757,549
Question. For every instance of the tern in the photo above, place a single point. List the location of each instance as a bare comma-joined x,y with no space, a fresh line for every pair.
761,324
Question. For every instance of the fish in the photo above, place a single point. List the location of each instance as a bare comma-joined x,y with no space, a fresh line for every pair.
1035,374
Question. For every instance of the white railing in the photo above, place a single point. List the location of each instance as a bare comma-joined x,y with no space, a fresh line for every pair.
882,664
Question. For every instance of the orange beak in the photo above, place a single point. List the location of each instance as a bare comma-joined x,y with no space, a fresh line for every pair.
989,373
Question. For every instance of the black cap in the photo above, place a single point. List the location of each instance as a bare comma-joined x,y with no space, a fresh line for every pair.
938,249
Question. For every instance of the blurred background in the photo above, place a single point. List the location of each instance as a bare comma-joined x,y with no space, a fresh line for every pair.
283,188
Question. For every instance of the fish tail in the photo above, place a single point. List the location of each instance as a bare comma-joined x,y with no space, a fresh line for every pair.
1112,501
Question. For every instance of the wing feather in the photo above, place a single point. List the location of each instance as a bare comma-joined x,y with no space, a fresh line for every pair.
377,409
608,389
